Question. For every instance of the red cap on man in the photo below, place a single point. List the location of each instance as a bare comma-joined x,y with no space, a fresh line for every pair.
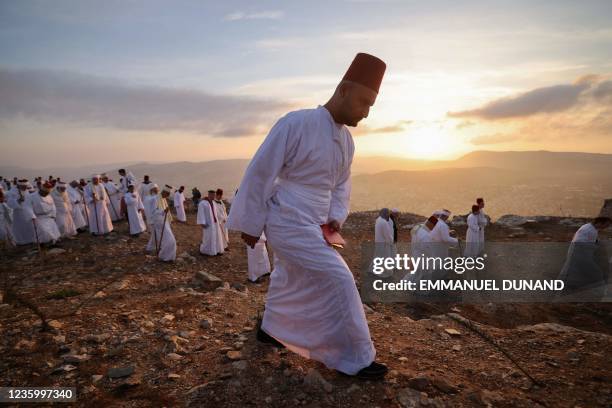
366,70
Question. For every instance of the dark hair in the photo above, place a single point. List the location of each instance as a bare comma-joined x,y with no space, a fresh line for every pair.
211,191
480,200
475,208
121,170
601,220
219,191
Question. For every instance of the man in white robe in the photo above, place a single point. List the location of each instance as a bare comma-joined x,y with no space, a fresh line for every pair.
100,222
23,215
150,203
135,208
179,204
45,211
77,201
383,232
114,198
472,237
208,218
298,180
126,178
164,241
441,236
63,208
482,223
6,221
222,213
145,187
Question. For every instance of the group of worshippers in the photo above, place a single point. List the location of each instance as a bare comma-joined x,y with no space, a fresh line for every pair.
433,237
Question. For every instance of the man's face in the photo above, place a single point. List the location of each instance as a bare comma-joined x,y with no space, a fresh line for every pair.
181,189
481,204
95,180
356,103
131,189
211,196
218,196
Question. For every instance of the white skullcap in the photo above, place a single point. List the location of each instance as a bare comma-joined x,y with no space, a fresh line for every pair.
395,210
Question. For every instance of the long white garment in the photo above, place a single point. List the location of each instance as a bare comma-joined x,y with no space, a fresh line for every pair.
114,201
23,227
259,262
179,206
162,238
472,237
44,209
222,214
299,179
482,223
6,223
124,182
441,239
134,204
212,236
78,207
383,231
99,208
586,233
63,217
144,189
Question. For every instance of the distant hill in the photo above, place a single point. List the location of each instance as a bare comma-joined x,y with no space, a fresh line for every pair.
527,183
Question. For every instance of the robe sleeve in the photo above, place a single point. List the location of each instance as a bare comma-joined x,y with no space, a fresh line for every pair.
129,200
202,213
341,193
249,208
473,224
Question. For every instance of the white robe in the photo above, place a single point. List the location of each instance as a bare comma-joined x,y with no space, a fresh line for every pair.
78,207
383,231
100,208
63,217
144,189
114,201
259,262
134,204
23,227
222,214
162,238
6,223
298,180
441,239
179,206
472,237
482,223
44,209
124,182
212,236
586,233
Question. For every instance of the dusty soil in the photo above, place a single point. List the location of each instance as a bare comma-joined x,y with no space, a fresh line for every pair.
110,305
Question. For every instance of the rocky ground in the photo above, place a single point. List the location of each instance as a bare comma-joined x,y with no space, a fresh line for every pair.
126,330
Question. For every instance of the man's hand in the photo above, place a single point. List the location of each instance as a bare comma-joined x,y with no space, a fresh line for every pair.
334,225
249,239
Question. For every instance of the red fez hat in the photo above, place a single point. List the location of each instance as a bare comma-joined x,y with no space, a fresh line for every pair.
366,70
433,220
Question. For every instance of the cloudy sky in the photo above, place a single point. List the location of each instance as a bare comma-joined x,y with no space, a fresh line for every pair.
109,81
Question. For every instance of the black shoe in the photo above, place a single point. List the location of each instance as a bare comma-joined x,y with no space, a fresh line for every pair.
374,371
264,337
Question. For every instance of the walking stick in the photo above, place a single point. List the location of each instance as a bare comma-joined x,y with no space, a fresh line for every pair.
36,235
161,239
93,195
155,237
110,200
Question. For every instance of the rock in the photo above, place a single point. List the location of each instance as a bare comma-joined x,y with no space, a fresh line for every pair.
173,376
238,345
96,378
207,281
314,380
456,347
547,327
367,309
409,398
55,324
99,294
459,220
444,386
353,388
75,358
240,365
24,344
56,251
511,220
206,323
234,355
119,372
167,318
59,339
64,368
97,338
453,332
174,357
403,359
239,287
420,383
268,400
